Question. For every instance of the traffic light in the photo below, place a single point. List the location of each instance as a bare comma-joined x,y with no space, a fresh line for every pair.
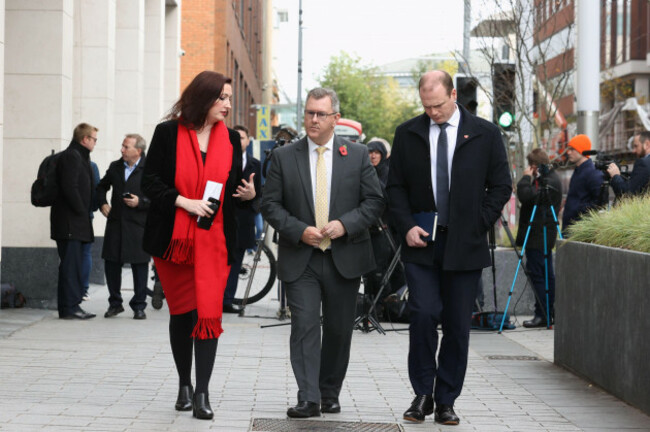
466,92
503,92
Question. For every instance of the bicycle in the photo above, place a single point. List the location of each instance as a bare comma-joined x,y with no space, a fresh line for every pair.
263,275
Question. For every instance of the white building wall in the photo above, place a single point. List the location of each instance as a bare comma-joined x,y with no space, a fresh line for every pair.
37,106
94,75
154,64
173,52
2,74
129,68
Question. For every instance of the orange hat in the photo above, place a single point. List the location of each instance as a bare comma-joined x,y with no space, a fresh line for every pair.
580,143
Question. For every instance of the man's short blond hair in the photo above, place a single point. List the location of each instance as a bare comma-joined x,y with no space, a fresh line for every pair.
83,130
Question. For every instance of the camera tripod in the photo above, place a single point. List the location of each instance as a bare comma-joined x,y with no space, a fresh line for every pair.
542,202
367,321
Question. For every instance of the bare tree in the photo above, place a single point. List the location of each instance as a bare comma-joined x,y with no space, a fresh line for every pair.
538,44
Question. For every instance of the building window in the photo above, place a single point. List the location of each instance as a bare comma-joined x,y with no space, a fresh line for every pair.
283,16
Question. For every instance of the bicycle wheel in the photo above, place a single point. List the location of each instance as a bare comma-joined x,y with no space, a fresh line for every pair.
263,279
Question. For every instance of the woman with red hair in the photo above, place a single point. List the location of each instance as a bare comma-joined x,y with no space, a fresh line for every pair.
191,150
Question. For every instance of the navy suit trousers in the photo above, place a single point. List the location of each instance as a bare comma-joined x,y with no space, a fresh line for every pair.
113,271
70,286
233,277
537,272
439,297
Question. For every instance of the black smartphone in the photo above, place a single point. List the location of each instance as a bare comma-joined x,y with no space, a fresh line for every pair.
127,195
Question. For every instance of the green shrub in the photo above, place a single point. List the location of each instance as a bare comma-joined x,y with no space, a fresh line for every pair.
626,226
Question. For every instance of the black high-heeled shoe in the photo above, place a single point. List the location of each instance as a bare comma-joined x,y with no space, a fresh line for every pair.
184,399
201,407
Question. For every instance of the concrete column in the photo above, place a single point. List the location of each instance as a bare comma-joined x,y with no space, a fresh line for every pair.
154,64
94,75
173,53
38,53
129,68
2,74
588,68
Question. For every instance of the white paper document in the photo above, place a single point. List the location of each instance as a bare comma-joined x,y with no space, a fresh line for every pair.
212,190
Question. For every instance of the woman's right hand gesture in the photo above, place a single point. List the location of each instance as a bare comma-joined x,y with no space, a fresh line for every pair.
194,207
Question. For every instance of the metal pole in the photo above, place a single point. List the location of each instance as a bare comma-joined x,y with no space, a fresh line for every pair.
466,30
588,69
299,94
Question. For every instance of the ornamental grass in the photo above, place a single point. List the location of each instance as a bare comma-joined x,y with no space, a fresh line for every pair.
626,225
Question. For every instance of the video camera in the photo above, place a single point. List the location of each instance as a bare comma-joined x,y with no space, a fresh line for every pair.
603,161
286,135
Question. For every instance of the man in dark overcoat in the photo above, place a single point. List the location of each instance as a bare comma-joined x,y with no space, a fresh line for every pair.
450,162
70,224
126,216
245,220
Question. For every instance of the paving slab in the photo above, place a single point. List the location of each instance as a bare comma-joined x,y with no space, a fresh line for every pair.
118,375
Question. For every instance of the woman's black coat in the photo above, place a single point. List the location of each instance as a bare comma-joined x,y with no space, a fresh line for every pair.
125,225
158,184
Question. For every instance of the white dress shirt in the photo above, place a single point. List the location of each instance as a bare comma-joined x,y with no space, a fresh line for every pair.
434,132
313,158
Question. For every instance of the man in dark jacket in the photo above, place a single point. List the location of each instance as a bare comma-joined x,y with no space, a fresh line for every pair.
245,220
584,187
70,224
450,162
125,226
639,180
539,186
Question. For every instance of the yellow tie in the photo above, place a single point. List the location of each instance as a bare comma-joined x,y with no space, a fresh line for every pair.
322,208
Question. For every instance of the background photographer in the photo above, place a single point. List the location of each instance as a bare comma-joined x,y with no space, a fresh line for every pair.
529,192
584,187
637,183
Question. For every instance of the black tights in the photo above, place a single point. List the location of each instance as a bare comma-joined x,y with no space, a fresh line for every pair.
205,350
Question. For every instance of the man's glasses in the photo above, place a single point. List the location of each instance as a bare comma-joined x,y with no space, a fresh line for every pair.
321,115
92,138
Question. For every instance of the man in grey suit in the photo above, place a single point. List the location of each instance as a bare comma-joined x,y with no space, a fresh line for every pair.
321,195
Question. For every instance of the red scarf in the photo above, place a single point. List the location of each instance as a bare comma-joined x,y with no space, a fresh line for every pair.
205,249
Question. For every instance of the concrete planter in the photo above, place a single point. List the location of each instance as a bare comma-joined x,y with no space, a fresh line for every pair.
602,330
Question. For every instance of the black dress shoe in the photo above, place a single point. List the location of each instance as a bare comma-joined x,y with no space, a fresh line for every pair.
330,405
201,407
304,410
139,315
445,415
113,310
230,309
80,314
184,399
421,407
535,322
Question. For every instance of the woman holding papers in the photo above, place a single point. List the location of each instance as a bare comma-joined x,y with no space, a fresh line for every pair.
193,179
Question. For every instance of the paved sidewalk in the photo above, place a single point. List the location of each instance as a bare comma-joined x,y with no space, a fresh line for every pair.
118,375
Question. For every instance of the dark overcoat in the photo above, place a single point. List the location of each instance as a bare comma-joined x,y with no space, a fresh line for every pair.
125,225
246,213
70,213
158,184
480,185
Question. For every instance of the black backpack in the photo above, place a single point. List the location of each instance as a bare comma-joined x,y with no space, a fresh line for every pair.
45,188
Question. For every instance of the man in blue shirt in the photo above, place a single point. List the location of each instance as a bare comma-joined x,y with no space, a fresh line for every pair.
584,187
637,183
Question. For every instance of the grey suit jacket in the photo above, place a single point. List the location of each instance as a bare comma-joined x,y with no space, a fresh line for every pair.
355,199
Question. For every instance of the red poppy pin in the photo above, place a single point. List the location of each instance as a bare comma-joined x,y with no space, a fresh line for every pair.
343,150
